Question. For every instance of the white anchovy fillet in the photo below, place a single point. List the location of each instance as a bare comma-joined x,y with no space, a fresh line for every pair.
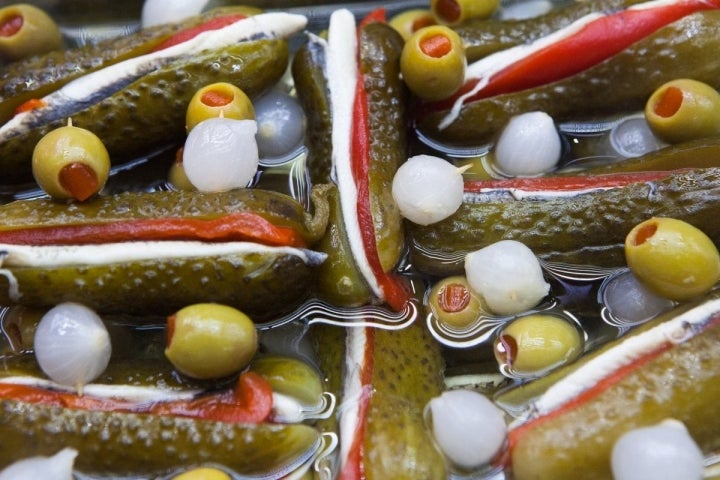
130,393
354,392
68,255
93,87
342,76
484,69
499,194
675,331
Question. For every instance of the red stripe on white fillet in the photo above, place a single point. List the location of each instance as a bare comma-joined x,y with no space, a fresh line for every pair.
357,393
586,42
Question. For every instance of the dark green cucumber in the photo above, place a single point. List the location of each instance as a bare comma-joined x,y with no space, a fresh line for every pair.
621,83
407,374
680,382
150,112
483,36
584,229
262,284
278,208
339,281
308,71
380,47
40,75
132,445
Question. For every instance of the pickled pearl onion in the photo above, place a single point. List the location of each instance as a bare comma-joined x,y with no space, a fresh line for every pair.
528,145
155,12
72,345
508,276
58,466
665,450
221,154
468,427
427,189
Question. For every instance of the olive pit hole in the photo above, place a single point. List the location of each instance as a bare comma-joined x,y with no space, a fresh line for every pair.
10,25
644,233
669,102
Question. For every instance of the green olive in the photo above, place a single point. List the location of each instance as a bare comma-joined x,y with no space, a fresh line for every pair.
453,12
684,109
672,258
177,176
410,21
453,302
214,100
433,62
203,473
26,30
291,377
209,340
536,343
71,162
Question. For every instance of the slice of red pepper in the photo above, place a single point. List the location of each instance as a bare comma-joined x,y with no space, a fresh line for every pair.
566,183
190,33
598,40
250,402
394,289
612,378
239,226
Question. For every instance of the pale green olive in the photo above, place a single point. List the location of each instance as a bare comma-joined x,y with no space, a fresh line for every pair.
453,302
212,101
203,473
291,377
683,110
433,62
26,30
71,163
536,343
209,340
453,12
410,21
177,176
673,258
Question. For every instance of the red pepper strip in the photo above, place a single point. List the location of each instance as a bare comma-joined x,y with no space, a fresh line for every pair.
190,33
595,42
250,402
569,183
377,15
395,291
611,379
353,468
32,104
239,226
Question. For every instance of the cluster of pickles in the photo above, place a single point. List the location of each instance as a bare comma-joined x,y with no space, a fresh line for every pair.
445,304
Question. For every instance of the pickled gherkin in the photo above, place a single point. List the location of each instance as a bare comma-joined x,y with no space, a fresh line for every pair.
675,379
618,84
127,444
587,228
150,112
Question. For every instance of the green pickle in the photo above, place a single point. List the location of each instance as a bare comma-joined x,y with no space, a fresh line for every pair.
679,383
151,445
585,229
40,75
150,112
617,84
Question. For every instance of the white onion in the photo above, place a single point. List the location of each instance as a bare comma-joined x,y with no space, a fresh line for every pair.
507,275
55,467
663,451
155,12
427,189
221,154
469,429
72,345
528,145
281,124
